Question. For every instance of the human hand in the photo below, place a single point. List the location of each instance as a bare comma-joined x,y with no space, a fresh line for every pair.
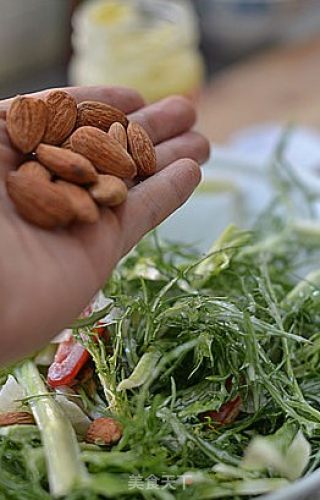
48,277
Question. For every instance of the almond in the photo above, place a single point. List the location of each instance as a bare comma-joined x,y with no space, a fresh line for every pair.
118,132
38,202
62,116
104,431
26,123
66,144
106,154
109,190
66,164
35,170
84,207
16,418
100,115
142,149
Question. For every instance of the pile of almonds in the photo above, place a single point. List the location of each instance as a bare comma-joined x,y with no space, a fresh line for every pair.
76,158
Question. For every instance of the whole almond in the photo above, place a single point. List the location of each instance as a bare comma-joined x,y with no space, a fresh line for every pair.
142,149
41,203
105,153
104,431
66,164
35,170
118,132
16,418
98,114
62,116
109,190
26,122
84,207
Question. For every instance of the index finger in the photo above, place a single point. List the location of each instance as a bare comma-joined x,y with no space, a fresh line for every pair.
127,100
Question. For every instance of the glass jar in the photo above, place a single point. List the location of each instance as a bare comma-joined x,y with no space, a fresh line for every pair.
148,45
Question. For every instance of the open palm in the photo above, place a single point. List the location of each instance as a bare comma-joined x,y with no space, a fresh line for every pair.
48,277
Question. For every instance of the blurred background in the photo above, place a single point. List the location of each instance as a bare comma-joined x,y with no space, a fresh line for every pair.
243,61
251,66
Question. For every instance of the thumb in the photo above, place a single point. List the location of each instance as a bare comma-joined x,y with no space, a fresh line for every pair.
152,201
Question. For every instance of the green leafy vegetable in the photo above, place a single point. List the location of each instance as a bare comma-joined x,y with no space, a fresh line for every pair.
286,451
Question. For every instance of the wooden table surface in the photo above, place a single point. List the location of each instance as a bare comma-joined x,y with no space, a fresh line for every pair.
280,85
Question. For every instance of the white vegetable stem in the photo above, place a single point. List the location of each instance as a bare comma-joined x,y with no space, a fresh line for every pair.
65,470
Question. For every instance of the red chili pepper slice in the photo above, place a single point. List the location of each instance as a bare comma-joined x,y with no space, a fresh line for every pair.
64,349
70,357
227,413
64,372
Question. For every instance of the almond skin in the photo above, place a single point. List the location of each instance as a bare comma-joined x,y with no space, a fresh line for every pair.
66,144
118,132
66,164
26,123
109,191
62,116
84,207
38,202
100,115
104,431
16,418
142,150
35,170
107,155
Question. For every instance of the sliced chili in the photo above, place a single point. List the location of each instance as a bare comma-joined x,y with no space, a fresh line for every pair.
227,413
70,358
